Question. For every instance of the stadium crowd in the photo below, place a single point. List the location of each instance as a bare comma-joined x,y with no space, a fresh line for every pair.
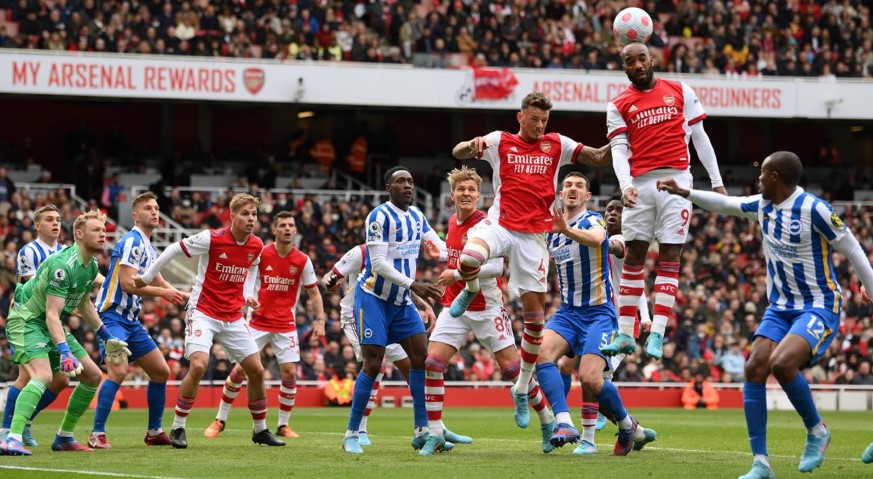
741,37
720,303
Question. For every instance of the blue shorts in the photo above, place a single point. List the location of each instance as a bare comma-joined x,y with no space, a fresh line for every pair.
586,329
132,332
816,326
380,323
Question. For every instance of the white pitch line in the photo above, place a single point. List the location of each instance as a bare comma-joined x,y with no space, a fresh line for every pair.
604,445
86,473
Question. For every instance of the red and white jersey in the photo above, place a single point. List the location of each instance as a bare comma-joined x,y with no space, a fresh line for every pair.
277,283
352,263
490,295
222,271
525,177
658,124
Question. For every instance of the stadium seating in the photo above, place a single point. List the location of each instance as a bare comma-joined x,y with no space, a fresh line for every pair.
743,38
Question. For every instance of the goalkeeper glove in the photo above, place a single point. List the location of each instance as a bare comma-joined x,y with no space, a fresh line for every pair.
69,364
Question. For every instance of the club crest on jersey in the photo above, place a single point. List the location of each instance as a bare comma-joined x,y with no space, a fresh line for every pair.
198,332
293,270
250,257
669,100
794,227
545,146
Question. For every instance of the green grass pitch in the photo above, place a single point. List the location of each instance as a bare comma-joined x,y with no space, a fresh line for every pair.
694,444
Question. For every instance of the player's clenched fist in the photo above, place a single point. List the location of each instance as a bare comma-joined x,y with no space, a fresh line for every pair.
670,186
69,364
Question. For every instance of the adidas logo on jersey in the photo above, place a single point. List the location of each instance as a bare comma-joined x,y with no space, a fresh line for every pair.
269,268
223,256
632,109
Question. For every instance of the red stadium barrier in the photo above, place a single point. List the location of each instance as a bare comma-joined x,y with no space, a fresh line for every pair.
312,396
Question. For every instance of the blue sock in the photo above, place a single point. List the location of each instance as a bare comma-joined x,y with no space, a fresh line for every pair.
47,398
552,386
801,398
360,398
609,398
156,395
568,383
755,407
105,399
416,387
9,412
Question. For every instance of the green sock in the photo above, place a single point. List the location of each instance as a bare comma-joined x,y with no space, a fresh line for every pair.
26,404
78,404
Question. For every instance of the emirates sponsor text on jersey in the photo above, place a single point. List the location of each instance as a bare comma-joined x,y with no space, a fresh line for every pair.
233,274
653,116
529,164
277,283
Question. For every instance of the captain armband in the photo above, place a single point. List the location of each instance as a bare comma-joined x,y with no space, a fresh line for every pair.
618,140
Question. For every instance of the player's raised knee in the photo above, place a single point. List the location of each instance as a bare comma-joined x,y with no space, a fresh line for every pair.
160,374
756,370
436,364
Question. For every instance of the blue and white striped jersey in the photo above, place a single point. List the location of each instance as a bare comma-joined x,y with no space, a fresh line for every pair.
583,272
402,233
32,255
797,246
134,249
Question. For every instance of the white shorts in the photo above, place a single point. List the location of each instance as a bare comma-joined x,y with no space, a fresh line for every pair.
491,327
527,254
393,352
285,345
658,215
234,337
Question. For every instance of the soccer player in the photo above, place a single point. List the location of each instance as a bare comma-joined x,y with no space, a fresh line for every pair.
586,319
282,272
484,317
227,256
47,222
800,233
118,304
348,266
592,420
62,283
525,166
649,126
383,309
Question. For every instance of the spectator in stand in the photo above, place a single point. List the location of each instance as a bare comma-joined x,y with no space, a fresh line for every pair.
699,394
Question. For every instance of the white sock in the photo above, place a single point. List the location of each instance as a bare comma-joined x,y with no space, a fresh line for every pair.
155,432
588,434
350,433
421,431
179,422
626,423
818,430
762,458
17,437
63,433
639,433
363,426
564,418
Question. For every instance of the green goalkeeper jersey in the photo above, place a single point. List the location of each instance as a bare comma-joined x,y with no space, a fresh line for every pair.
64,274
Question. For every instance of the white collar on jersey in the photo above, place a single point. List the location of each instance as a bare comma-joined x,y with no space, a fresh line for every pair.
45,245
789,202
397,208
578,215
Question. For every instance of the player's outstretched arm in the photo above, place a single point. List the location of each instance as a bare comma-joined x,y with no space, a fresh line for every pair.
595,156
163,259
469,149
617,248
745,206
125,280
706,153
